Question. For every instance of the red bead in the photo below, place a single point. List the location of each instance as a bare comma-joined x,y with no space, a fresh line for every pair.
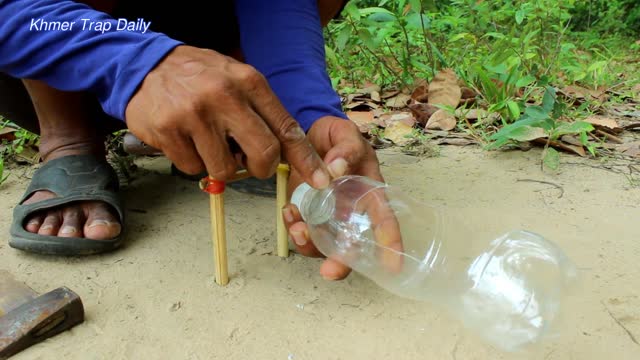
212,186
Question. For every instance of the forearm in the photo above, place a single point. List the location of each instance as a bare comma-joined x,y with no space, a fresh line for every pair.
57,42
283,39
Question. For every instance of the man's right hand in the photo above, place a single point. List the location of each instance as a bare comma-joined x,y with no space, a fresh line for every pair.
196,100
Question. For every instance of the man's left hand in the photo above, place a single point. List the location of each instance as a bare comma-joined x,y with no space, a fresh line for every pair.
346,152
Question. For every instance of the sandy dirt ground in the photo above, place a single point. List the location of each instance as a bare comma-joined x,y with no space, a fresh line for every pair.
155,298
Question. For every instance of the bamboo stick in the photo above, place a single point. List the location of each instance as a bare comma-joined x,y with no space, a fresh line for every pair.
282,179
218,235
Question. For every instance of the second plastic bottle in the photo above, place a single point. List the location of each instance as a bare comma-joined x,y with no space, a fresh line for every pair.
508,289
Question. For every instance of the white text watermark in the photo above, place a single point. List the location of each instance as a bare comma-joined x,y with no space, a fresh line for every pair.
121,24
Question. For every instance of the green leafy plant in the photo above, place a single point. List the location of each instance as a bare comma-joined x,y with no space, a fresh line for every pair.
543,121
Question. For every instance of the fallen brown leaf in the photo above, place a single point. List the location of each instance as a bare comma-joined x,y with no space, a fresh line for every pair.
404,117
398,102
369,88
375,96
467,93
630,149
362,106
387,119
363,119
398,132
423,112
468,96
444,89
441,120
581,93
455,141
420,94
28,155
579,150
604,122
7,133
571,140
388,94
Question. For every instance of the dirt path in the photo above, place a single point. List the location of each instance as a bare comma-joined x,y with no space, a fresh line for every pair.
156,299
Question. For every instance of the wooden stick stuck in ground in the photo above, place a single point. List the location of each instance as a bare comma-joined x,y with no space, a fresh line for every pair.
219,237
282,179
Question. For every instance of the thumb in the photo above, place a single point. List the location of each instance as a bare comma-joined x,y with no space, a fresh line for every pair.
343,158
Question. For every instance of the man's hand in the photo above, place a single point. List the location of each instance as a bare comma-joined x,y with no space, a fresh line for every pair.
197,105
346,152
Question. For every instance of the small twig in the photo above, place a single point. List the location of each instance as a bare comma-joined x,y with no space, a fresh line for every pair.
608,136
631,126
631,336
545,182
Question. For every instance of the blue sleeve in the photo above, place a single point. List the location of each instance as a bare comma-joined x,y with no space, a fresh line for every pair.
35,44
283,40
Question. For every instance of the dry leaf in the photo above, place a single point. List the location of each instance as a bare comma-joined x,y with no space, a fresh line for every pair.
467,93
468,97
398,102
630,149
454,141
369,88
581,93
7,133
420,94
28,155
352,97
423,112
387,119
571,140
375,96
398,132
363,119
604,122
579,150
444,89
353,105
571,148
389,93
404,117
441,120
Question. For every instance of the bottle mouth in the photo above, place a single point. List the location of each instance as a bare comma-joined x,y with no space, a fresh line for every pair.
323,207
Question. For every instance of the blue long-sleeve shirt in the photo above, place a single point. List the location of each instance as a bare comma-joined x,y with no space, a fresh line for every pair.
73,47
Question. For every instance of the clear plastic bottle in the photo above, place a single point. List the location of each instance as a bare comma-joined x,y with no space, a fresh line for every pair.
508,289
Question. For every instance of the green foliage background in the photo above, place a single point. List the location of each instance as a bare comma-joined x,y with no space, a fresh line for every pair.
514,54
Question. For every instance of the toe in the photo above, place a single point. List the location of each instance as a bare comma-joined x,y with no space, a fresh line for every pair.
72,221
51,223
33,224
101,223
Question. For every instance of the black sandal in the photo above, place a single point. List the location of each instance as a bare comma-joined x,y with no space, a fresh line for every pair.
72,178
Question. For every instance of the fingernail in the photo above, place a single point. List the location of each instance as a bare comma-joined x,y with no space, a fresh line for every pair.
298,238
99,223
34,222
321,179
68,230
338,167
46,227
295,133
288,215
